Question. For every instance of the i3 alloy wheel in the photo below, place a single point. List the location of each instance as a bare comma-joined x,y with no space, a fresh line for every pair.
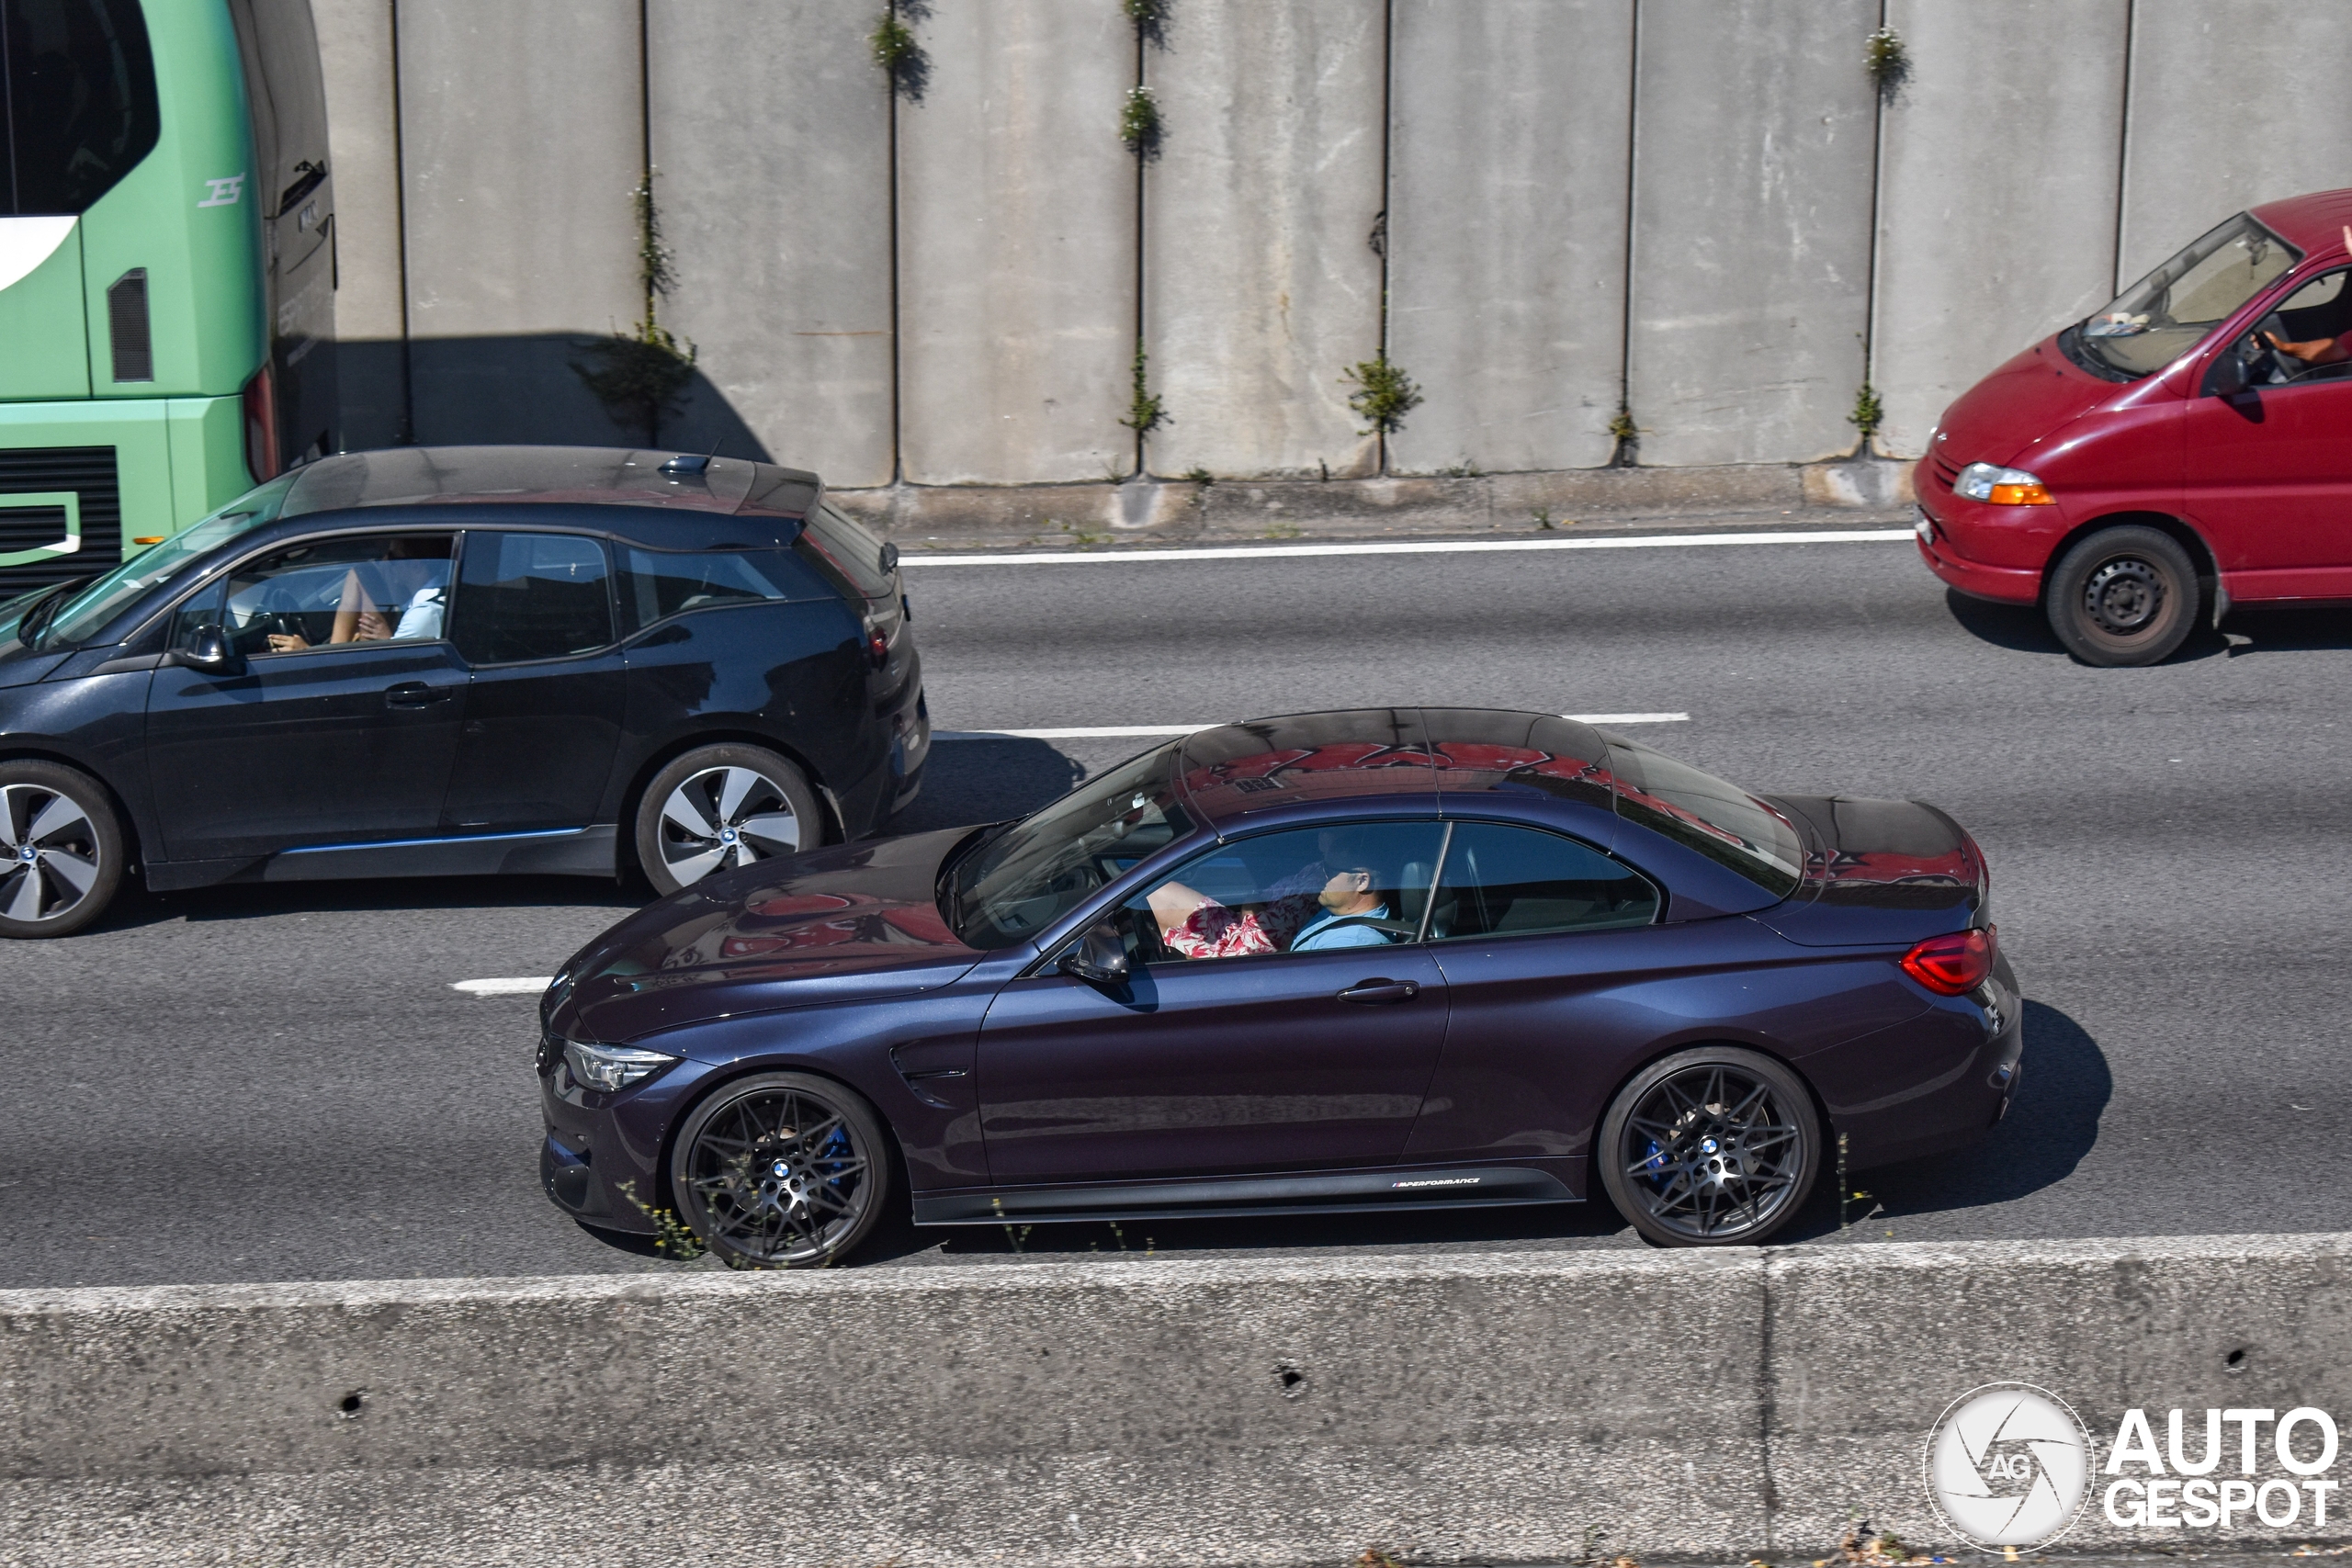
61,850
719,807
1709,1148
781,1170
2123,596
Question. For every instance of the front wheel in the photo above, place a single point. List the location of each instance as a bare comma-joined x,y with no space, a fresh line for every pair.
61,850
1709,1148
719,807
2123,596
781,1170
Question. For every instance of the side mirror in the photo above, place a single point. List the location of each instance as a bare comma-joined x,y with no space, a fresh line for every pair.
2227,376
208,651
1099,957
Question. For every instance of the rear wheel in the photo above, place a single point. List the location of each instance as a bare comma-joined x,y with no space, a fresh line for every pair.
61,850
1710,1146
2123,596
781,1170
718,808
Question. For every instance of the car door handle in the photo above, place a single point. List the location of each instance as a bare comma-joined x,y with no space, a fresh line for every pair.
1374,992
413,694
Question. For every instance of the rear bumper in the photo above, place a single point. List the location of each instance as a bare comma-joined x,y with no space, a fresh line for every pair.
1956,1106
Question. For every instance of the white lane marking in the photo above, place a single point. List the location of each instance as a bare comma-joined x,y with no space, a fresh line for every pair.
1141,731
1414,548
510,987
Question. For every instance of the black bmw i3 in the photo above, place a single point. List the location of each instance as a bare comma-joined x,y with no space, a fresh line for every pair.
437,662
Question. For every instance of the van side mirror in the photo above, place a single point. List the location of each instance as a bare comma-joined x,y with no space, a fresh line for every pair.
209,652
2226,377
1099,957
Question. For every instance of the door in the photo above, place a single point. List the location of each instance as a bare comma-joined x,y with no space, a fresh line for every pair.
534,623
2270,468
339,722
1301,1038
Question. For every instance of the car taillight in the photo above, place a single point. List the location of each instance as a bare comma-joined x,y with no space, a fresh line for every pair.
261,425
877,647
1949,965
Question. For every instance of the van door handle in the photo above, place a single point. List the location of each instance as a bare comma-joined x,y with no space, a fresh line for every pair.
1372,993
412,694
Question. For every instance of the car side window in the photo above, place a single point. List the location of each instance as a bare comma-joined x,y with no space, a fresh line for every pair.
328,593
657,584
528,596
1307,890
1508,881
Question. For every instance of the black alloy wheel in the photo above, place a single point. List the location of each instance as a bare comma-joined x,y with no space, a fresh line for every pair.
2123,596
1710,1147
718,808
61,850
781,1170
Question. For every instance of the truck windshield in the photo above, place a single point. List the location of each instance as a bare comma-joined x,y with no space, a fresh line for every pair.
2169,312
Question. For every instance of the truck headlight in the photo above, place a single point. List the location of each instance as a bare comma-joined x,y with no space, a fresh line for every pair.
610,1068
2002,487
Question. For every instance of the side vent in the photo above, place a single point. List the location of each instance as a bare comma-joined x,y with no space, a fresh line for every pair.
126,329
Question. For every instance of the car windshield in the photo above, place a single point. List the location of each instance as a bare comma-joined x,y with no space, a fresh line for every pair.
1720,820
2169,312
1019,883
65,623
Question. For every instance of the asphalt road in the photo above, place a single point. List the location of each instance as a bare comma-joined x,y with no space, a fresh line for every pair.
278,1083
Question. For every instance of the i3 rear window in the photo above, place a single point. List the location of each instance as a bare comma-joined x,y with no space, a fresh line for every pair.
849,549
658,584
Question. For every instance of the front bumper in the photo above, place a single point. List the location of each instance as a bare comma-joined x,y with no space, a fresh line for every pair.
601,1160
2003,584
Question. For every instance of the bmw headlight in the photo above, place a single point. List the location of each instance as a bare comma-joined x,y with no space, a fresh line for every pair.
610,1068
2002,487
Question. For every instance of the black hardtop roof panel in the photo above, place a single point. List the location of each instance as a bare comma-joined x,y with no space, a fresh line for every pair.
577,476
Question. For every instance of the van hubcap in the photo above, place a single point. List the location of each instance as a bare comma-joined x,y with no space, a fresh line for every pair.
2125,597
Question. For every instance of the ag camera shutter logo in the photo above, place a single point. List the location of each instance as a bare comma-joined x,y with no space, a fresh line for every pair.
2007,1466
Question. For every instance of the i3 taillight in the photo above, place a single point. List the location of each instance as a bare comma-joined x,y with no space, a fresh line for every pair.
877,647
1951,964
262,456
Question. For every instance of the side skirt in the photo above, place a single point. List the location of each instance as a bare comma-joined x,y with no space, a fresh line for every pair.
1354,1191
582,851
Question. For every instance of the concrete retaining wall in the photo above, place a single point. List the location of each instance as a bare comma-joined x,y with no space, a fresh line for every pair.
1496,1407
1473,183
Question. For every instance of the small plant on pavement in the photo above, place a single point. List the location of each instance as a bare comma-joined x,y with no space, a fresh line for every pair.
1146,413
1868,412
1888,63
1140,126
671,1236
898,53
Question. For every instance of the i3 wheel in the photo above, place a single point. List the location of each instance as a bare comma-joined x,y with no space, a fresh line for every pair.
2123,596
781,1170
722,806
1710,1147
61,850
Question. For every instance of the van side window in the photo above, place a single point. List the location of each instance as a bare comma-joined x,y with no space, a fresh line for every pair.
81,101
658,584
2312,322
1505,881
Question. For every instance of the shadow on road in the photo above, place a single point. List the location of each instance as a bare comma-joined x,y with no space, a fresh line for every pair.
2261,630
245,901
986,781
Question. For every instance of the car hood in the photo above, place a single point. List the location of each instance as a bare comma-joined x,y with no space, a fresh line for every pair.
2024,401
1878,871
855,922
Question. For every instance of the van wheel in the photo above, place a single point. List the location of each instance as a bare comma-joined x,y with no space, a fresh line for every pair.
61,850
2124,596
719,807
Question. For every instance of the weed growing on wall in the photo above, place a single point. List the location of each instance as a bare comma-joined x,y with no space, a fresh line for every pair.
639,374
1868,412
1140,126
1628,436
1384,395
1146,413
898,53
1150,19
1888,63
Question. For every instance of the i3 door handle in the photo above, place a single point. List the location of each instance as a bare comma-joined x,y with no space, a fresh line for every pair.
1373,992
412,694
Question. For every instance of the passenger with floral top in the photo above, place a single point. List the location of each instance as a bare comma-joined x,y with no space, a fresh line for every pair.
1307,912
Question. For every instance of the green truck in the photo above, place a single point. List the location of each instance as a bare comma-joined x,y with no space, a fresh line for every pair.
167,261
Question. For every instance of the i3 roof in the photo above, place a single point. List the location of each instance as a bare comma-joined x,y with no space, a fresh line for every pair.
573,476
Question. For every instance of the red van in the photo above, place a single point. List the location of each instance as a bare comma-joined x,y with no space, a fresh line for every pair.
2186,449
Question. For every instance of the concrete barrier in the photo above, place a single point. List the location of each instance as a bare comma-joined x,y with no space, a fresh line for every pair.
1507,229
1956,292
1146,1410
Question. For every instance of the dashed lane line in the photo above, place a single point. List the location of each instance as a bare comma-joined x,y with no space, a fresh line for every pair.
1412,548
514,985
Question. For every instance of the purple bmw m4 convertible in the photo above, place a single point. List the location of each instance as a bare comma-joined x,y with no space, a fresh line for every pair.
1335,962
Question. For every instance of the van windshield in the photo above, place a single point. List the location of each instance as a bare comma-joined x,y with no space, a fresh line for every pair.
2169,312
